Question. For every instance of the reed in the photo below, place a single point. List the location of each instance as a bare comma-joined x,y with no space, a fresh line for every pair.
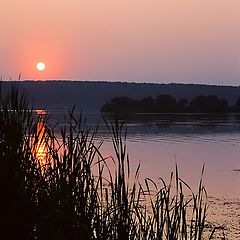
71,192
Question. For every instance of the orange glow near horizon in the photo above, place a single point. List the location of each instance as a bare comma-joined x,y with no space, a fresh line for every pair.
46,52
141,41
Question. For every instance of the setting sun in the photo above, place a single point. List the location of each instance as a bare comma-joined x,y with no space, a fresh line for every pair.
41,66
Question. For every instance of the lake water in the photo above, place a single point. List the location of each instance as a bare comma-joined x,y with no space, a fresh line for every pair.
159,142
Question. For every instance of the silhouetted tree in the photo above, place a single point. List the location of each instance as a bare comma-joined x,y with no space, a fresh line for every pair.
147,105
236,107
223,106
165,104
182,105
208,104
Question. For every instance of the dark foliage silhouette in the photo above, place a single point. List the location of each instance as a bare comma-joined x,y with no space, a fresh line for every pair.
168,104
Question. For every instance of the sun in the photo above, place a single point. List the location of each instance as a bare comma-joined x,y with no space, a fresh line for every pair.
41,66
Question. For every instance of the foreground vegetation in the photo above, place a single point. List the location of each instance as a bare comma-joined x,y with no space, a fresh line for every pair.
69,190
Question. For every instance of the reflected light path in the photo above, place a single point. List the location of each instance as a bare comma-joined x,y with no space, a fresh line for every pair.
40,149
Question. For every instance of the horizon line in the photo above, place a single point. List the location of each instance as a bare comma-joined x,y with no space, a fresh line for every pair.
115,81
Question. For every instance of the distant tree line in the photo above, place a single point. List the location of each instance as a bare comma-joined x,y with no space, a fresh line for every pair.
168,104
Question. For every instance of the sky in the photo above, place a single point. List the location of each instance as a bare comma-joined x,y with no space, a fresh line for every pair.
162,41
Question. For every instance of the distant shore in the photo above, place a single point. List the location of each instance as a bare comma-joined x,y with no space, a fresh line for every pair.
167,104
90,96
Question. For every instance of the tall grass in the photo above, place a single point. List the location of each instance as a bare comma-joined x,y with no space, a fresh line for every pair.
72,193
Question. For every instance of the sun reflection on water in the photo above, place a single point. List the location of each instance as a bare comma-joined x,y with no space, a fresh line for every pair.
40,148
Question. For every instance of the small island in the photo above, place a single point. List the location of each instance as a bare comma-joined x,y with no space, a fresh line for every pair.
167,104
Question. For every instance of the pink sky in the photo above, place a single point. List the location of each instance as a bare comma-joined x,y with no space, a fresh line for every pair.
189,41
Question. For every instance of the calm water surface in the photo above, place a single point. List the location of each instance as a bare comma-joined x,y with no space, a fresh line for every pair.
158,142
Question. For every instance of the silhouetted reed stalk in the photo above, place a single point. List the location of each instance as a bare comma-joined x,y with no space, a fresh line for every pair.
69,192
